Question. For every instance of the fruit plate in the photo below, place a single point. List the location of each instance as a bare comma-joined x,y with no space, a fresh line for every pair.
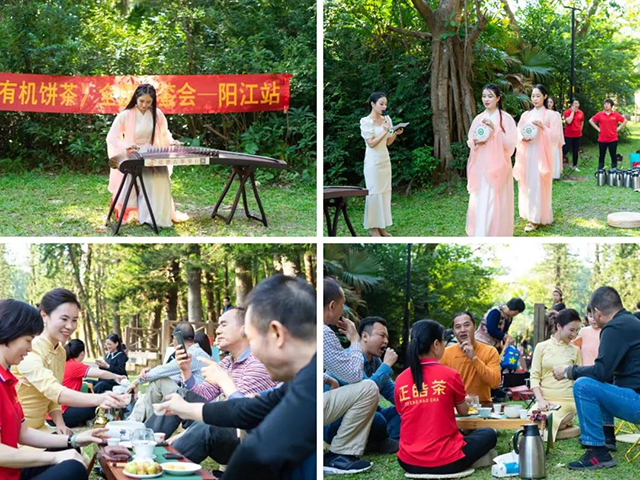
529,131
135,475
185,468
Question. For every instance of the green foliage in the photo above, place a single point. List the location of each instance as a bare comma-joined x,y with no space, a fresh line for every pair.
423,165
68,37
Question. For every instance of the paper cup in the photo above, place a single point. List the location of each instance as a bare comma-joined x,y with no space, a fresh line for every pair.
497,407
158,409
159,437
524,414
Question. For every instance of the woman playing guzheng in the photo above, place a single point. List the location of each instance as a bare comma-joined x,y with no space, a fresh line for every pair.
539,132
492,140
142,124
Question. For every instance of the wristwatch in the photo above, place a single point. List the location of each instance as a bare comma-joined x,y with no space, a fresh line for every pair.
566,373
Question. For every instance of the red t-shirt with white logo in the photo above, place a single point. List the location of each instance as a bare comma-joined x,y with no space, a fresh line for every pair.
74,373
11,418
608,126
429,436
573,129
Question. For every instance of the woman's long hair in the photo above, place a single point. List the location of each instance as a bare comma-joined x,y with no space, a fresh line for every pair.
493,88
423,335
202,339
146,89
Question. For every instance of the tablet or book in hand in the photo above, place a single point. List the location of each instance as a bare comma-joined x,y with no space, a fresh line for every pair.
399,126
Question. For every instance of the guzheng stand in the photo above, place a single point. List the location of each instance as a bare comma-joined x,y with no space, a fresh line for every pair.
136,175
243,173
132,162
337,197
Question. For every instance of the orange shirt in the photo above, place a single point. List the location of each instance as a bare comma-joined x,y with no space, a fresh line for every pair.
479,376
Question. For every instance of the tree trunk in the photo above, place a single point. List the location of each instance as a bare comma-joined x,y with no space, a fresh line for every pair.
243,279
208,293
116,319
194,284
75,263
452,99
309,271
226,277
172,294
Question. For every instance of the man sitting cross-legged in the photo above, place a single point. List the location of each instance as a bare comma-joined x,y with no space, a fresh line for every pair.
239,372
477,363
281,328
164,379
609,388
378,363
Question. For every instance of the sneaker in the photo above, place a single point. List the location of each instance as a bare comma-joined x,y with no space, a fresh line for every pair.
335,464
576,169
388,445
593,459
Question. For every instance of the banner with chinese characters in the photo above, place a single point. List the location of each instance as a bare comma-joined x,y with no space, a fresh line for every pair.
176,93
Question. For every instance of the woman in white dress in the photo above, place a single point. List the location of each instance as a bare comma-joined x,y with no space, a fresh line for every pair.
557,152
534,167
142,124
489,173
377,131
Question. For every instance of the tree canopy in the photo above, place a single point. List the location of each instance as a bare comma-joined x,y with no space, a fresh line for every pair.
388,45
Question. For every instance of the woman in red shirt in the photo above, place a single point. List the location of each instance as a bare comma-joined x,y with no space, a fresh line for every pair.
574,121
426,395
19,324
609,123
74,373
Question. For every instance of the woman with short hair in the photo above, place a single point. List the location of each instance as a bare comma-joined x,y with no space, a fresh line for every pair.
608,123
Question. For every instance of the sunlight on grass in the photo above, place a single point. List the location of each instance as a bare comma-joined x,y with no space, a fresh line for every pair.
580,207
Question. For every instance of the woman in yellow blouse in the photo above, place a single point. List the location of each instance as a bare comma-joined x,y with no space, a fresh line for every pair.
549,392
40,374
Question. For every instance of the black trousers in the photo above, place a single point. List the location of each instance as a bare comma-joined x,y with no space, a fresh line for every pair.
612,147
104,385
78,416
571,144
479,442
67,470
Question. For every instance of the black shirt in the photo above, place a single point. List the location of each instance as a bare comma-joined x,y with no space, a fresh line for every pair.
618,359
117,363
559,307
284,428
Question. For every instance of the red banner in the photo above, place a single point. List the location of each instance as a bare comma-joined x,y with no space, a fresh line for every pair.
176,93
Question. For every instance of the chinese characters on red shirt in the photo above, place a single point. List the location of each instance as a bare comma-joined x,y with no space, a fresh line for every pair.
433,394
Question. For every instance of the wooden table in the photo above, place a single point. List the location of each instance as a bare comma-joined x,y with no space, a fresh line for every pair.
336,197
473,422
115,471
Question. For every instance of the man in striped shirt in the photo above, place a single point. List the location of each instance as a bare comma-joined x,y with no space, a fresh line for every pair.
238,374
355,403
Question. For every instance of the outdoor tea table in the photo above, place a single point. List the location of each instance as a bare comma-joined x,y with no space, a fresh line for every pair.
336,197
473,422
115,470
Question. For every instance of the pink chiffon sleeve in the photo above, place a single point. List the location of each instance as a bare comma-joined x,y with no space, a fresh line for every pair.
116,137
474,124
510,134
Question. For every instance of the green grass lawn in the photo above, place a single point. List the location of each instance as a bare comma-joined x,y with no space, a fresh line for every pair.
386,467
580,207
75,204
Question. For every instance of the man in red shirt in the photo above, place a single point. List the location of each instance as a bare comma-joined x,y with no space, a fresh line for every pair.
608,123
574,121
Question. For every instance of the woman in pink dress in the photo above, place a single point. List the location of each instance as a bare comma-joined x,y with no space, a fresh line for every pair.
489,173
142,124
534,160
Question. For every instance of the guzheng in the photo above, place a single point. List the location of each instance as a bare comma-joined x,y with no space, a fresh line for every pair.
164,156
243,166
337,197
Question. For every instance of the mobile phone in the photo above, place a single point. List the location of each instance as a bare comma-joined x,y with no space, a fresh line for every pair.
173,456
180,339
